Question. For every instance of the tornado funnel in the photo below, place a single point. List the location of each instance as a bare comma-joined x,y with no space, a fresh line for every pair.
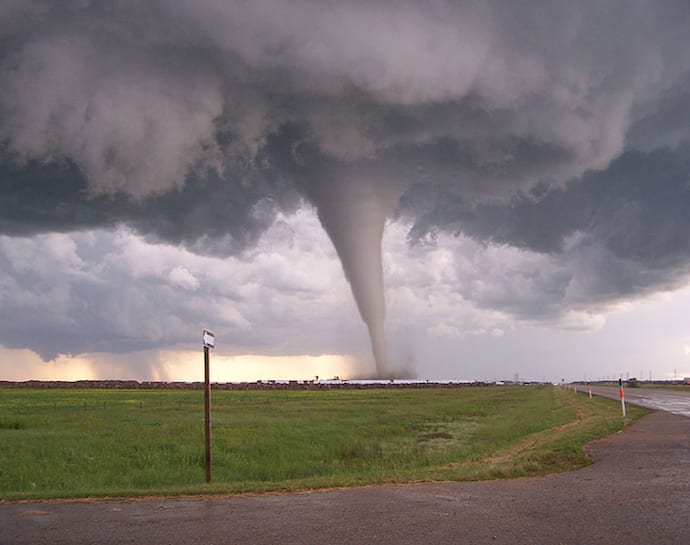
353,213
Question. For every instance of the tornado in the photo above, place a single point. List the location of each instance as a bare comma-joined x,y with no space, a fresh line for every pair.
353,212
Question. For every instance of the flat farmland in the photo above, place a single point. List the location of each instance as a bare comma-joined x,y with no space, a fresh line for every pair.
67,443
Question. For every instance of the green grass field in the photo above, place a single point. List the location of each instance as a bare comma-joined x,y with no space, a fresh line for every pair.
76,443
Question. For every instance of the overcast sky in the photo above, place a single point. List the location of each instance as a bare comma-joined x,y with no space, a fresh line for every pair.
508,183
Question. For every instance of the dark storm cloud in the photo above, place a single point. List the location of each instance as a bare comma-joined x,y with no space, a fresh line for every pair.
623,229
213,216
556,127
636,208
489,97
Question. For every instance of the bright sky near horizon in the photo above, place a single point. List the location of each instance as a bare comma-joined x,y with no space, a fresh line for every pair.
524,169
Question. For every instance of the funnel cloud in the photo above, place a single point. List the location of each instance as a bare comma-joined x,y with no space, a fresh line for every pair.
353,213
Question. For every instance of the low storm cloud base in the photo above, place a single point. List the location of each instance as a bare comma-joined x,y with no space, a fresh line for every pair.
557,134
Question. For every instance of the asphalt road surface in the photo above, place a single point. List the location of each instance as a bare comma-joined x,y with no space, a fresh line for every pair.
636,492
672,401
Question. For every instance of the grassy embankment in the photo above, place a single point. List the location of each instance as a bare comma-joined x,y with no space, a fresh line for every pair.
75,443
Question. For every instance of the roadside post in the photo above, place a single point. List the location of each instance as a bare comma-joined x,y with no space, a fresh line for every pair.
209,342
622,394
589,389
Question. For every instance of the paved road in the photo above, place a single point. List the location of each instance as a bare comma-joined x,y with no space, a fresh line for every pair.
672,401
637,493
